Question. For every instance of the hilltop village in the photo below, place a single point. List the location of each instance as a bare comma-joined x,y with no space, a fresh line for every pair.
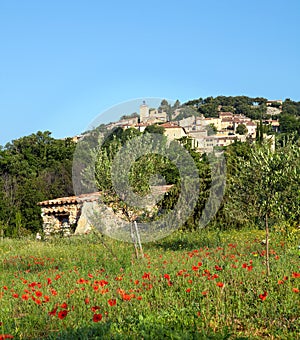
206,133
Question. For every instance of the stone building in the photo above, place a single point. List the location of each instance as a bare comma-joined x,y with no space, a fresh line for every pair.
62,215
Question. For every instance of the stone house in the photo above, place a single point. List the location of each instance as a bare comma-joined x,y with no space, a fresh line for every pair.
62,215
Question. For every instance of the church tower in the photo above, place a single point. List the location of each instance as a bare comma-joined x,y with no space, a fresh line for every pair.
144,112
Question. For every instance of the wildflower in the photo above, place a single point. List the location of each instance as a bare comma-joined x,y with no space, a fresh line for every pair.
280,282
296,275
64,306
295,290
220,284
263,296
49,281
15,295
112,302
6,336
204,293
53,312
87,301
62,314
97,317
167,276
188,290
38,293
94,308
146,276
126,297
25,297
46,298
195,268
218,268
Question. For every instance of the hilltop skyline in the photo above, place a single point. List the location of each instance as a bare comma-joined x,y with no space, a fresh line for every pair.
63,64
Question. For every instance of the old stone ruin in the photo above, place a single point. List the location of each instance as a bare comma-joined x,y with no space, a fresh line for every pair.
67,215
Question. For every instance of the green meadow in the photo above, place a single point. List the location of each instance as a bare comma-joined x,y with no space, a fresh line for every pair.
205,284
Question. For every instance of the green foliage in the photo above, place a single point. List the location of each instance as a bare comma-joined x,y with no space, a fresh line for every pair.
241,129
155,129
264,184
32,169
172,294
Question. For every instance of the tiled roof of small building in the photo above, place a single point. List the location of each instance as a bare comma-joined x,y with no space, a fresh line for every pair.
72,199
159,189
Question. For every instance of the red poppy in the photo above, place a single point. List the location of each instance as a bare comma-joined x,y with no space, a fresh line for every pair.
167,276
295,290
49,281
15,295
263,296
112,302
195,268
46,298
102,283
280,282
6,336
25,297
188,290
296,275
64,306
146,276
97,317
87,301
220,284
94,308
62,314
53,312
204,293
38,293
126,297
218,268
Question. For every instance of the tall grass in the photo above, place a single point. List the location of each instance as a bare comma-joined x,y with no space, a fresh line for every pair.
205,284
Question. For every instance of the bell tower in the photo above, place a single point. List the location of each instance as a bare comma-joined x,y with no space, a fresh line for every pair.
144,112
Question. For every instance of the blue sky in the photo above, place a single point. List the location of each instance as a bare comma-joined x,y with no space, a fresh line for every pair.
64,62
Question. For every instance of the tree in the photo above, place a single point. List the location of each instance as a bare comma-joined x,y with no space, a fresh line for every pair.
211,129
32,168
154,129
265,188
241,129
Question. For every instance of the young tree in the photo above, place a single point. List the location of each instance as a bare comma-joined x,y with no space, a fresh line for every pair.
266,187
241,129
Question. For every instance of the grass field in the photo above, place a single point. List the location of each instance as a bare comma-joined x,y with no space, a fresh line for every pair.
197,285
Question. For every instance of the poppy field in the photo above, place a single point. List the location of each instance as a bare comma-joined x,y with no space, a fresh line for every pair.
191,285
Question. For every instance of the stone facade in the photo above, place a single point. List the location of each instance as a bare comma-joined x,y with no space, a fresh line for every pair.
61,215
